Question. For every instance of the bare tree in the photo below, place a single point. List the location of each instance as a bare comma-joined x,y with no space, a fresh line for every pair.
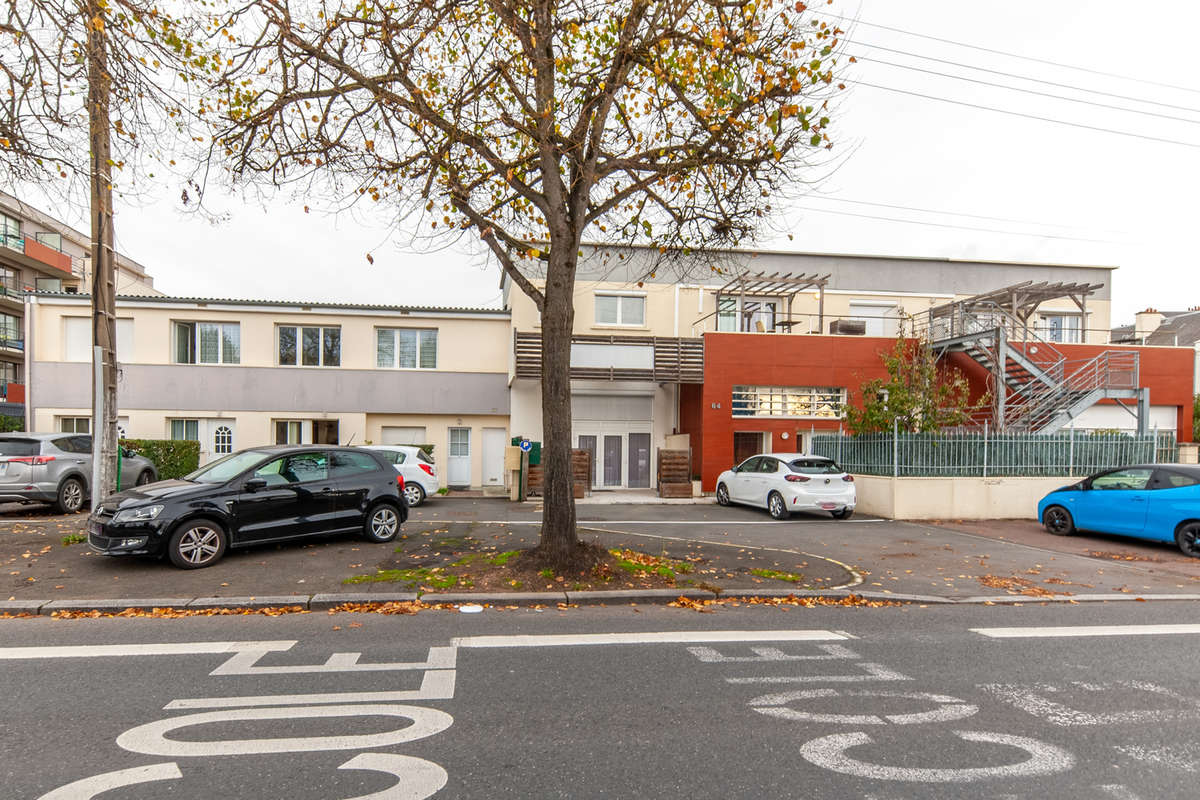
535,123
84,84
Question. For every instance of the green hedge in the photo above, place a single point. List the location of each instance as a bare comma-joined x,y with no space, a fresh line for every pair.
428,448
173,458
9,424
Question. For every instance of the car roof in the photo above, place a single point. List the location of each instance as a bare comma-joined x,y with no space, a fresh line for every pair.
389,447
789,456
39,436
1191,469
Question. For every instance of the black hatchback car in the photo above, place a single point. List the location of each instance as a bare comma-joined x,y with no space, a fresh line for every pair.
255,496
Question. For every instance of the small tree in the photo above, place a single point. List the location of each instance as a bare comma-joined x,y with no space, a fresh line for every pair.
917,394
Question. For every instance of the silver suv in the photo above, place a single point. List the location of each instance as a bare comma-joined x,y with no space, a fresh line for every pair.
57,468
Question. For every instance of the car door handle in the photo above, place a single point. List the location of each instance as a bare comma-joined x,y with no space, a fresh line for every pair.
327,490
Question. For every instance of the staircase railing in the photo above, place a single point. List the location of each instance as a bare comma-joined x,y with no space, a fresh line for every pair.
1110,370
983,318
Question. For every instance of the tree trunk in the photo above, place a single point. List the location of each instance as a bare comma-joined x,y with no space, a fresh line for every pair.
559,539
104,313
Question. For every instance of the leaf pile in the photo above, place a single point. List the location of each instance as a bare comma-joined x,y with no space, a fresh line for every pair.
172,613
850,600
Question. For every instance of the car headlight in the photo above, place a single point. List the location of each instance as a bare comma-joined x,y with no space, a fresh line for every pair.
143,514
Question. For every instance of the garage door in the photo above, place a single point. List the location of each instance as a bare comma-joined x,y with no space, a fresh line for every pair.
396,434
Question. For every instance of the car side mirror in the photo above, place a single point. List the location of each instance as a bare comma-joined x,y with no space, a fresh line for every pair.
736,468
1084,486
254,484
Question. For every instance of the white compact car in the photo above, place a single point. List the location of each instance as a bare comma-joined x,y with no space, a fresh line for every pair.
787,482
416,467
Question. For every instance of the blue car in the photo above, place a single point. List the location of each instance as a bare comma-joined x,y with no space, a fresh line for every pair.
1149,501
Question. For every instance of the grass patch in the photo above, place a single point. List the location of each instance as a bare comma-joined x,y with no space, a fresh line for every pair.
546,573
422,576
640,565
503,558
74,538
790,577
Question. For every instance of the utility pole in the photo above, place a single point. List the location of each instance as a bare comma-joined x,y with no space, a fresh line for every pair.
104,312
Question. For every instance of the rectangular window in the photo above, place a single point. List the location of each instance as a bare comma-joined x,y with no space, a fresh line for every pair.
10,328
49,284
51,240
309,346
188,429
620,309
77,339
10,232
288,431
813,402
1066,328
208,342
75,424
757,315
406,348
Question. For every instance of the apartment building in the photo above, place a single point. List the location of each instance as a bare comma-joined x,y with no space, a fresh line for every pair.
40,253
748,351
233,374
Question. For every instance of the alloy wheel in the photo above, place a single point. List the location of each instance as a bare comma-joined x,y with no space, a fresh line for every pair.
72,499
722,495
383,523
776,507
199,545
1188,539
413,494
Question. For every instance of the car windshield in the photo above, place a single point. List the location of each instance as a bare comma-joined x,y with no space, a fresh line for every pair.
20,447
814,466
227,468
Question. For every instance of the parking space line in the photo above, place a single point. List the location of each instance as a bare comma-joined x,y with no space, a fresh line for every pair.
1085,630
660,637
157,649
647,521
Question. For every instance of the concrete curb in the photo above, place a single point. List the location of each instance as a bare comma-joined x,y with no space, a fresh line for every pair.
323,602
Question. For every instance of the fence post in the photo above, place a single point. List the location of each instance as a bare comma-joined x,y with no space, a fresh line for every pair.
1071,454
896,447
985,447
839,450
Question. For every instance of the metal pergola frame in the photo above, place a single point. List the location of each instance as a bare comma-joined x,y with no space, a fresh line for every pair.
773,285
1021,300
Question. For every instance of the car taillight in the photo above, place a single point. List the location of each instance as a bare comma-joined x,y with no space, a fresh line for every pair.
427,468
400,482
32,459
794,478
848,479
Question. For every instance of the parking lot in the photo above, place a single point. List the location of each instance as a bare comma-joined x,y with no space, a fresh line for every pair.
43,557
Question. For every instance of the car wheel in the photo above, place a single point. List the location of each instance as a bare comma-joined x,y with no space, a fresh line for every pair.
414,495
844,513
1058,521
198,543
777,508
722,495
145,477
70,496
1187,536
383,523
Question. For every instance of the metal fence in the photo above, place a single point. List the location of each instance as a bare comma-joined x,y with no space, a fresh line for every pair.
960,454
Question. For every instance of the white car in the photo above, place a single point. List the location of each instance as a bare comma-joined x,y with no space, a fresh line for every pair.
787,482
415,466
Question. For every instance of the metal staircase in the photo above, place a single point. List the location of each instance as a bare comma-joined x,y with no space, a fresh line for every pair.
1036,388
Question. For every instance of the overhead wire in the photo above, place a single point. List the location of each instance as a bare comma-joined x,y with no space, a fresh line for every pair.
940,211
1033,59
951,225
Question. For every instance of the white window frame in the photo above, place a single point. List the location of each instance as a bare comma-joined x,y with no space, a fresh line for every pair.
421,333
754,309
62,425
176,332
1070,335
620,323
299,328
788,402
183,421
220,447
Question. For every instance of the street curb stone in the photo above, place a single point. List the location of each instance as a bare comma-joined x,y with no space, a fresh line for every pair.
321,602
114,605
638,595
267,601
497,598
21,606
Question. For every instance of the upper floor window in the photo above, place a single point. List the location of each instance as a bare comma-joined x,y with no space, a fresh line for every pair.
406,348
77,339
10,327
51,240
818,402
1066,328
757,314
303,346
208,343
48,284
10,232
620,309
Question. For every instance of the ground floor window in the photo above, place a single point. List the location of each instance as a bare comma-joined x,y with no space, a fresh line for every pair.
185,429
75,424
288,431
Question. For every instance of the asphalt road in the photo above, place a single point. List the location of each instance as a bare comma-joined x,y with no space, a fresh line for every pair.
897,702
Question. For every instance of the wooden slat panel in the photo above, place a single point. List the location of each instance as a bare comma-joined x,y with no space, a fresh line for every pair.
676,360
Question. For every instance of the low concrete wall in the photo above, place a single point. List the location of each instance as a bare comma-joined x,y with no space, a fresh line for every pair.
953,498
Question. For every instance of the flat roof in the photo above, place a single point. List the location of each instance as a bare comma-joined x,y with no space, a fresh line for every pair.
299,304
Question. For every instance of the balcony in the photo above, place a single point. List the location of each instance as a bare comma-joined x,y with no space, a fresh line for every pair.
12,343
660,359
43,255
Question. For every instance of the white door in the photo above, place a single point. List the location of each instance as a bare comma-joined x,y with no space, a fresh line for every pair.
458,463
493,456
220,438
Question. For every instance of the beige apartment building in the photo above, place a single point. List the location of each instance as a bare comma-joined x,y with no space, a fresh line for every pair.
40,253
234,374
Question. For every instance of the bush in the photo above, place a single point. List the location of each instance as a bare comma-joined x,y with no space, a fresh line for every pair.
173,458
9,424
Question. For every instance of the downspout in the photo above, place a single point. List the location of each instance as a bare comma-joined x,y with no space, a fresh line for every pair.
30,309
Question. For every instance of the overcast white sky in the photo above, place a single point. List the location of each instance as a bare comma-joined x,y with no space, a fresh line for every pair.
1135,196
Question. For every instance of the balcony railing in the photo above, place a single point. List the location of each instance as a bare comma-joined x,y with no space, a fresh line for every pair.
43,253
12,343
662,359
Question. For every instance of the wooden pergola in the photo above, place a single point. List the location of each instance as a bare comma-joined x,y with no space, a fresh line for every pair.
759,286
1021,300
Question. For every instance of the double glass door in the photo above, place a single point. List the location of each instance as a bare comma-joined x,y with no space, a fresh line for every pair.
618,459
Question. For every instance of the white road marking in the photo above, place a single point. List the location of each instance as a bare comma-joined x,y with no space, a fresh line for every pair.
949,708
418,778
589,523
159,649
663,637
243,663
87,788
1085,630
1034,700
437,684
1044,759
875,672
151,738
710,655
1180,758
1118,791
